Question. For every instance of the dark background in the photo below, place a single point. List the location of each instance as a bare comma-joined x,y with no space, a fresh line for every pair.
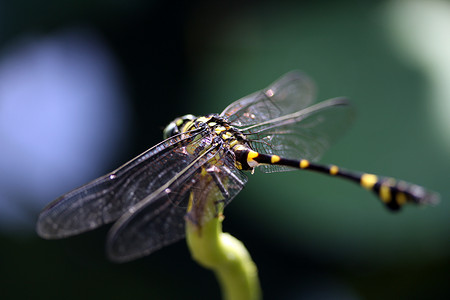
139,64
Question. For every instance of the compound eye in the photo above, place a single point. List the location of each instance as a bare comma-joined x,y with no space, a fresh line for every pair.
170,130
175,126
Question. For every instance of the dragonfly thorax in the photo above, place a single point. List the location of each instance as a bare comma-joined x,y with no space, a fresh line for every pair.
229,136
217,131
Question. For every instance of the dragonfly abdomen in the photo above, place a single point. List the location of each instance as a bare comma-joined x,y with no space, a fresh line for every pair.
394,194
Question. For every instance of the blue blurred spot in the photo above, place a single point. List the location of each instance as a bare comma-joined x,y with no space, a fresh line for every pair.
63,116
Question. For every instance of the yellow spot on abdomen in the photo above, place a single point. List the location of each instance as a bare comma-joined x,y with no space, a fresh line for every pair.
385,193
368,181
304,164
274,159
252,155
250,158
334,170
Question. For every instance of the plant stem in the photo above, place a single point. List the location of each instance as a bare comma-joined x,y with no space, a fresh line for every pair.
226,256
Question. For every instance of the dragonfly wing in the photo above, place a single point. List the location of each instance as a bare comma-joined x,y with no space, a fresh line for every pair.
159,220
105,199
222,182
305,134
290,93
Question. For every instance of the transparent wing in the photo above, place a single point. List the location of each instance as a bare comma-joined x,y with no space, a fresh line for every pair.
289,94
223,182
159,219
105,199
305,134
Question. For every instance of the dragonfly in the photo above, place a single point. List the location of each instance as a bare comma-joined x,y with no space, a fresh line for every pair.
147,199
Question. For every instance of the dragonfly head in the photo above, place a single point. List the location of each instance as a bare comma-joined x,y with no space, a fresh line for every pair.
176,126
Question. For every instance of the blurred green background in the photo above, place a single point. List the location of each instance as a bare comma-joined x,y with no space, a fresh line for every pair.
147,62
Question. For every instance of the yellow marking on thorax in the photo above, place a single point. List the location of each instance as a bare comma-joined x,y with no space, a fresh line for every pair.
274,159
219,129
334,170
227,135
304,164
239,147
233,143
368,181
401,198
204,119
385,193
211,124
